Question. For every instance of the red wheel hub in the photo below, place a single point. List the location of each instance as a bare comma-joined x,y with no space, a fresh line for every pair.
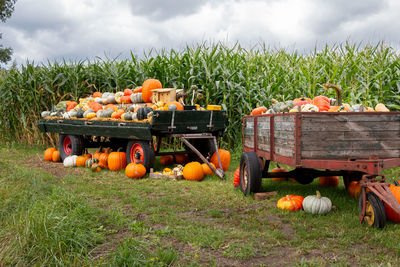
67,146
137,155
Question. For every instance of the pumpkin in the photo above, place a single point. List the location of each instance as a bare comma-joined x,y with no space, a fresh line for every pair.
137,89
174,106
56,156
48,153
89,110
290,202
181,158
134,170
136,98
89,162
381,107
117,160
96,167
117,114
279,169
71,105
354,189
95,106
103,160
97,94
390,213
236,177
128,116
193,171
317,204
147,89
118,96
206,169
97,154
90,115
225,156
329,181
81,161
143,112
128,92
258,111
126,99
70,161
111,106
301,101
166,160
322,102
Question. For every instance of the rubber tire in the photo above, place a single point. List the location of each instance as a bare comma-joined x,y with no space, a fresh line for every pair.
205,146
377,206
251,161
148,153
77,146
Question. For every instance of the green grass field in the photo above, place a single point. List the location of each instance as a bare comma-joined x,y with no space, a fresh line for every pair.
51,215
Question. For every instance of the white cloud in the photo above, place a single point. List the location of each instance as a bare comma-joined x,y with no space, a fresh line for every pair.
79,29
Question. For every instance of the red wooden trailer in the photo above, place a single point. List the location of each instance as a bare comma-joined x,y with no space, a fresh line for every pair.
355,145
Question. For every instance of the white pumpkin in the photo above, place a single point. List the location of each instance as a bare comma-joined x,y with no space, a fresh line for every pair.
70,161
317,204
118,96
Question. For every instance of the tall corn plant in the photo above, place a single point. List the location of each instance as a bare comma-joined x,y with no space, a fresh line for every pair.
237,77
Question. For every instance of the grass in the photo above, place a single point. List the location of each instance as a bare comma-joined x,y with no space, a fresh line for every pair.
234,76
51,215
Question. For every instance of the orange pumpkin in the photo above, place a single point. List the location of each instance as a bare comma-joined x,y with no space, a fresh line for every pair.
71,105
181,158
96,167
236,177
166,160
137,90
279,169
95,106
80,161
111,106
290,202
329,181
354,189
193,171
134,170
322,102
117,114
258,111
116,160
127,92
88,155
126,99
103,158
147,89
97,154
390,213
207,170
301,101
225,156
177,104
48,153
56,156
97,94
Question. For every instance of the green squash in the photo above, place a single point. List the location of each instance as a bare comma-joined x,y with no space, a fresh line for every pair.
45,114
317,204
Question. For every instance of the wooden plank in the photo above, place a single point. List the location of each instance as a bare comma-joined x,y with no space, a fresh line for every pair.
320,145
349,117
286,152
350,126
346,154
338,135
263,143
248,141
284,134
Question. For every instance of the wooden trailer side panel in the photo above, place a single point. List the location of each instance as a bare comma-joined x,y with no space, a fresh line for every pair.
346,136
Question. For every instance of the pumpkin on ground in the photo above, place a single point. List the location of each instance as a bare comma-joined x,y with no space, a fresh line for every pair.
390,213
236,177
290,202
317,204
103,160
181,158
207,170
116,160
134,170
70,161
354,189
56,156
193,171
95,167
90,161
147,89
80,161
225,157
97,154
279,169
48,153
166,160
329,181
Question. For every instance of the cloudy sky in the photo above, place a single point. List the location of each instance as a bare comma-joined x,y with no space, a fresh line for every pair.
41,30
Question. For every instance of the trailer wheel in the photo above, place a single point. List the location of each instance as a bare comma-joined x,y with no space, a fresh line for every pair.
250,173
374,210
70,145
140,152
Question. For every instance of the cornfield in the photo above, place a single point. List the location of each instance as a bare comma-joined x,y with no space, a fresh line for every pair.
238,78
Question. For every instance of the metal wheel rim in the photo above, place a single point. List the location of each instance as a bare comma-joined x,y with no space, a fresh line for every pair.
136,148
245,177
67,146
369,213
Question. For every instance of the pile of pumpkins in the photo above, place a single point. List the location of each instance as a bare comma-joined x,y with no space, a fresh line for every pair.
194,171
317,104
129,105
